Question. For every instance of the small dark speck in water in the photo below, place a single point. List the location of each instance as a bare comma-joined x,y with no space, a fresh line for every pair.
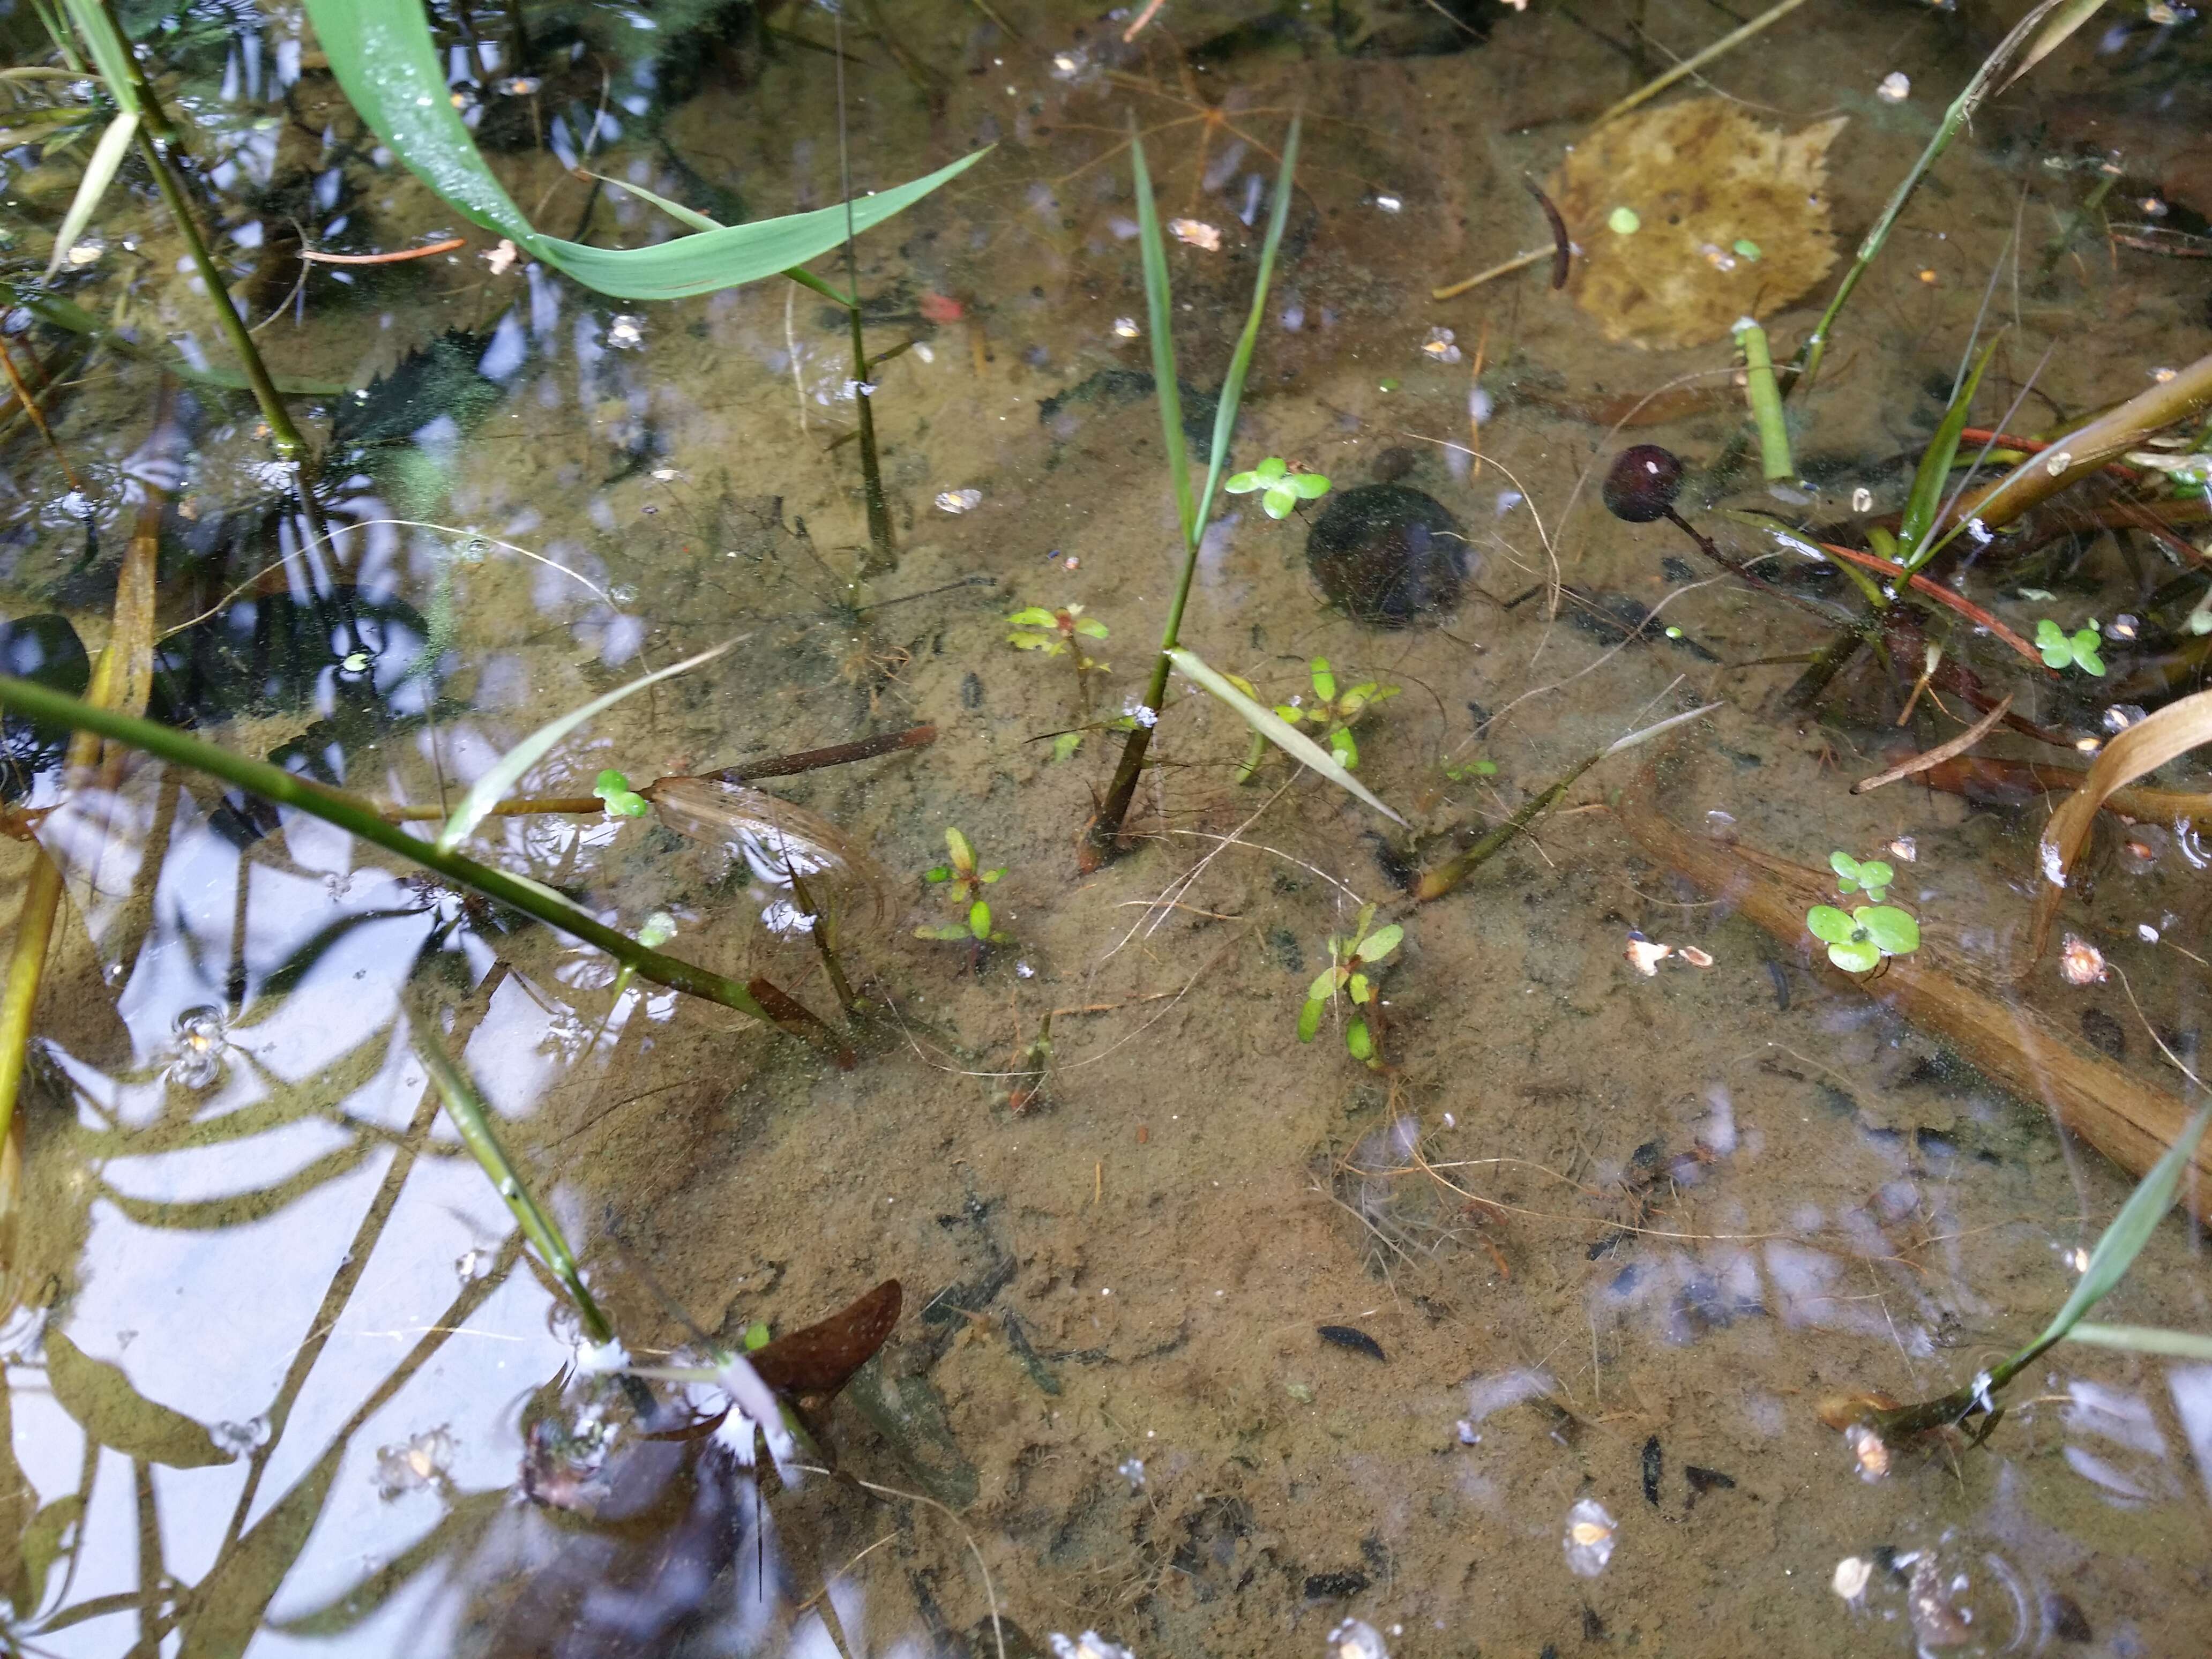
1393,463
2064,1616
1334,1586
1676,570
1283,946
1703,1480
1593,1626
2101,1032
1780,975
1654,1464
971,692
1359,1342
1482,716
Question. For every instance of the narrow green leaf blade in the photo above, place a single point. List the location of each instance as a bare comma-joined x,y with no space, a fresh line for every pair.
2144,1339
110,54
2130,1228
1927,497
1159,315
500,778
381,52
1270,725
1232,388
98,173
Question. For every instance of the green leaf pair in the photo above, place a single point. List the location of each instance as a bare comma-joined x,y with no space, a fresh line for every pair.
1857,943
1281,488
1872,878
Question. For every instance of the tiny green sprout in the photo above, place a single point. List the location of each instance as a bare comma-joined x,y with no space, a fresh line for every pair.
1467,771
1859,941
659,928
1334,712
1065,745
2062,650
1284,486
1872,878
1054,632
621,801
964,885
1346,974
756,1336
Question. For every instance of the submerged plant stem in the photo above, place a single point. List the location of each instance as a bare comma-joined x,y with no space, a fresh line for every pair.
273,783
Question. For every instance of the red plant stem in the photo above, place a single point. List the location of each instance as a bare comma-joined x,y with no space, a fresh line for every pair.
1942,596
423,253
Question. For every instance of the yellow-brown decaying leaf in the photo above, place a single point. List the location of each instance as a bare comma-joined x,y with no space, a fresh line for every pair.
1700,175
2141,748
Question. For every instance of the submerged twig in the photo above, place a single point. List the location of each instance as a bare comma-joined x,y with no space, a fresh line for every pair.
1941,752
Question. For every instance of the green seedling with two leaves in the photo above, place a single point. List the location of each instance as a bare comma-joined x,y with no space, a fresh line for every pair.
621,800
1350,961
1056,632
1282,486
1872,878
1336,712
964,885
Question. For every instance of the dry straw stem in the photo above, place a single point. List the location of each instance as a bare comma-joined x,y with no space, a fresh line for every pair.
2140,749
2080,453
1941,752
1691,65
2126,1119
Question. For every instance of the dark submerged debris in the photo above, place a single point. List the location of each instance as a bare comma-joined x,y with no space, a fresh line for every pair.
1703,1480
1562,246
1389,555
1334,1586
1655,1465
1345,1336
817,1360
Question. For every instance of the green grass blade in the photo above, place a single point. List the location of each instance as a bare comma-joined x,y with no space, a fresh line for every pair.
499,778
111,56
2130,1229
1159,316
1278,731
1232,389
2144,1339
467,1109
1926,501
274,783
98,173
699,221
381,52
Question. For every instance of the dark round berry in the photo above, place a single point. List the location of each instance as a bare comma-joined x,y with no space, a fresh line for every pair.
1642,483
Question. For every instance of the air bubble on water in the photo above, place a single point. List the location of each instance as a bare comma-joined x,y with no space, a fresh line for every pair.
197,1059
240,1438
1089,1646
1355,1638
473,1265
623,594
508,1188
1589,1539
1132,1469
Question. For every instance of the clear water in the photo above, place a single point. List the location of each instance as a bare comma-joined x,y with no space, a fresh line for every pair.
280,1377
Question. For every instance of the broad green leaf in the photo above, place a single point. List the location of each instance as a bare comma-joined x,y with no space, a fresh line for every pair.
979,919
98,173
621,801
1926,500
1325,982
1855,956
115,1414
1845,866
381,52
1036,617
1309,1020
1895,933
1285,737
1311,485
2145,1339
1359,989
1324,680
1829,924
963,855
1380,943
1357,1040
501,777
2130,1229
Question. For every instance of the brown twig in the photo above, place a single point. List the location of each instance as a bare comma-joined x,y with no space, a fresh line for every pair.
392,258
1941,752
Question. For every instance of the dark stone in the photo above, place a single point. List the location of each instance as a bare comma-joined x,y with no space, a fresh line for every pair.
1388,554
2064,1616
2104,1033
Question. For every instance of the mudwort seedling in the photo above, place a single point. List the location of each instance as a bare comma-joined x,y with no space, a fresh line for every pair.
1283,485
1350,961
963,883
